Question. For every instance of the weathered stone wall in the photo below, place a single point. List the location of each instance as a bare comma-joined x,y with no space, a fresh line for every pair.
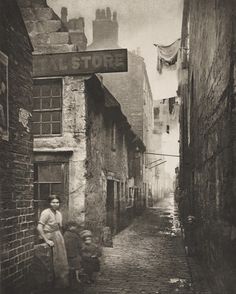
48,33
131,89
104,162
73,139
207,137
16,183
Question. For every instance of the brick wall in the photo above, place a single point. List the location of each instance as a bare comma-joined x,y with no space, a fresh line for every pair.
16,189
206,138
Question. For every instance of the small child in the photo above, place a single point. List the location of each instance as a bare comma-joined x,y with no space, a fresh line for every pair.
90,256
73,244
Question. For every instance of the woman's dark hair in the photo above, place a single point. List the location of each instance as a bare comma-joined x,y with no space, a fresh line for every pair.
52,197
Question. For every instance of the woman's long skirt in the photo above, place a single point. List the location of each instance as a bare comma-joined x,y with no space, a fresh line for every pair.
60,263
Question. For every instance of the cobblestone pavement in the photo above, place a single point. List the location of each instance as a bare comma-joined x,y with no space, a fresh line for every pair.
148,257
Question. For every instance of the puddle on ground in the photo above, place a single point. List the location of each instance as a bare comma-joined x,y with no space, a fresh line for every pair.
167,233
180,283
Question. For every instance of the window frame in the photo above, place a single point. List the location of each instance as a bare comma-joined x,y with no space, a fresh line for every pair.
38,182
42,82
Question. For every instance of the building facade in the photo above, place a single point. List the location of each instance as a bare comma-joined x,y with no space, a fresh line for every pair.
131,89
207,162
16,149
166,141
84,159
84,148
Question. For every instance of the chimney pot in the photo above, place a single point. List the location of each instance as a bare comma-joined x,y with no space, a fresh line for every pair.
81,23
108,13
98,14
114,16
64,14
103,14
105,29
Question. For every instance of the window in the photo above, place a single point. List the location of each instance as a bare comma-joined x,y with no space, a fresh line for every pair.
48,180
47,107
156,113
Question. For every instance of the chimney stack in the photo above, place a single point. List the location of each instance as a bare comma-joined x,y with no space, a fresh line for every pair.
105,29
64,14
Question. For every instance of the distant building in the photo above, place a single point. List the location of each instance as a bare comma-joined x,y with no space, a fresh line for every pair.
131,89
16,148
165,141
105,30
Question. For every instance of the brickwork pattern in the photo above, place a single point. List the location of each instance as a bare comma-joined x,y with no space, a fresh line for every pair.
16,182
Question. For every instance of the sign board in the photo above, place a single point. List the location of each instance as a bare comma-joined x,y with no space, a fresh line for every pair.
79,63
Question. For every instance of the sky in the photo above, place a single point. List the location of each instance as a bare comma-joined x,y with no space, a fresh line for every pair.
142,23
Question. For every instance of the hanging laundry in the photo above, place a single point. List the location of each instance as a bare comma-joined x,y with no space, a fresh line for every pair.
167,55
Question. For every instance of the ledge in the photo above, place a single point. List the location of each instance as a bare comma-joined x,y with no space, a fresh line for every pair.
53,150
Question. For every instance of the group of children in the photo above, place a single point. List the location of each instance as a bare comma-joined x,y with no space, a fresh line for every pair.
82,253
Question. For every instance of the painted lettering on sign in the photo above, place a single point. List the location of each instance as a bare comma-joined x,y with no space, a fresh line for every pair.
77,63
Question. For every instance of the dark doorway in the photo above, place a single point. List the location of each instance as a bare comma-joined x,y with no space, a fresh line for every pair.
110,205
118,206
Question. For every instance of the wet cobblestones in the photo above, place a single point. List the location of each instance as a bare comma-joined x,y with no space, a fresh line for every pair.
148,257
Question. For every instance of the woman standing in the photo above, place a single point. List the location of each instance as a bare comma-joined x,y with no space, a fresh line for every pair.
49,225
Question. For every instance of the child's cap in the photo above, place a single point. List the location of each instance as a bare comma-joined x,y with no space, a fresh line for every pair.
70,224
86,233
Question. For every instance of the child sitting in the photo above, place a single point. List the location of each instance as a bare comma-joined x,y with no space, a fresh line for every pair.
73,244
90,256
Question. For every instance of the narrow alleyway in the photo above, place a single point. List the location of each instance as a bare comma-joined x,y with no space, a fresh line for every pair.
148,257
